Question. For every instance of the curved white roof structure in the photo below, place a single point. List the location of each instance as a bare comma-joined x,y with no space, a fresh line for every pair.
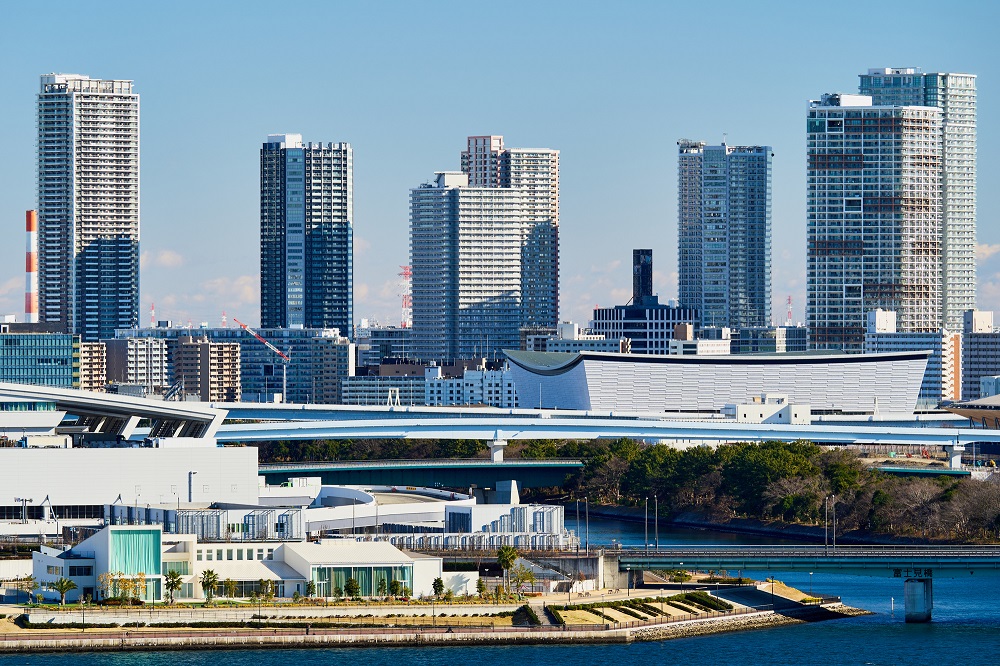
849,383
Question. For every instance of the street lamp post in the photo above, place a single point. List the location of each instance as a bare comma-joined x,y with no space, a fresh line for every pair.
810,583
628,582
645,524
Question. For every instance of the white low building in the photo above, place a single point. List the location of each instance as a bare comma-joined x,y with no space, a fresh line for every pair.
145,554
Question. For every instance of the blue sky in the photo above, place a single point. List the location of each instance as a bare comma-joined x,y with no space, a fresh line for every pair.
611,85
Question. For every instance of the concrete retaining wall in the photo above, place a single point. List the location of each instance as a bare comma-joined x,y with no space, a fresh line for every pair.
167,614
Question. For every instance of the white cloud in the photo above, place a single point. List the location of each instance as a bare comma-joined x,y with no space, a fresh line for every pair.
361,246
161,259
985,250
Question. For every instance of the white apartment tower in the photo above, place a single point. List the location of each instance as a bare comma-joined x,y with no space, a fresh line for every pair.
874,214
955,95
466,253
534,172
88,204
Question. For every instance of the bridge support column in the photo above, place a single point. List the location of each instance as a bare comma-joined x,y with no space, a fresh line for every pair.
954,452
919,596
496,449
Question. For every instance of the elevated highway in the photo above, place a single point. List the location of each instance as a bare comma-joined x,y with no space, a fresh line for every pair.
451,473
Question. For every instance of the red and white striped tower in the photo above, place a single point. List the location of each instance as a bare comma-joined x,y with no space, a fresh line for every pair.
31,267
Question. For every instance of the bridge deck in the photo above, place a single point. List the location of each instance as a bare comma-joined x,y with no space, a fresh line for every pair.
892,561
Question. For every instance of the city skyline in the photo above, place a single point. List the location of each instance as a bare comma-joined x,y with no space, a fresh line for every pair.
618,186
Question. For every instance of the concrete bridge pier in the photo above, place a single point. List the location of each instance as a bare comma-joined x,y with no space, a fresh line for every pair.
496,449
919,596
955,452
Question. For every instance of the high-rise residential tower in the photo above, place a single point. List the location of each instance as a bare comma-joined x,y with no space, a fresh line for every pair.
874,218
724,229
534,172
306,234
466,252
955,95
88,204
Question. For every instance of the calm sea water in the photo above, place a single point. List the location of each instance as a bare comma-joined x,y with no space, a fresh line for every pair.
964,631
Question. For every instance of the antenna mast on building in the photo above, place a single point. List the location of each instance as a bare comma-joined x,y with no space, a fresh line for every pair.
407,296
223,319
152,315
788,312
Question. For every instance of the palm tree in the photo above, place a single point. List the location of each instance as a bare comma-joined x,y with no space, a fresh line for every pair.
506,556
29,585
229,585
62,586
172,583
209,580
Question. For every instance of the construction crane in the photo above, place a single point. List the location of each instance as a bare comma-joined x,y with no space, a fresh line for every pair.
285,358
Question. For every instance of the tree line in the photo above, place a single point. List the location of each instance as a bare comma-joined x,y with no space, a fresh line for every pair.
784,481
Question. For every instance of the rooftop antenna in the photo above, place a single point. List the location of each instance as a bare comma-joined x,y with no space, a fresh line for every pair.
223,319
788,312
725,137
152,315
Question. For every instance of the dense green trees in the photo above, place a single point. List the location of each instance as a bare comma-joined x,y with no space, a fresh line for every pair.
369,449
766,480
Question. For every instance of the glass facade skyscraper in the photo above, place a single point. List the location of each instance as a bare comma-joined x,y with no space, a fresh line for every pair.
88,205
306,234
955,95
724,228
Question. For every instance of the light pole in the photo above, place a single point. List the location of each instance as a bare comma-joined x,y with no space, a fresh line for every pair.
810,583
645,524
656,520
826,524
24,507
834,498
628,582
772,594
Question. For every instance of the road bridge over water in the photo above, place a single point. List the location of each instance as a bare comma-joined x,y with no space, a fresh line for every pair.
916,566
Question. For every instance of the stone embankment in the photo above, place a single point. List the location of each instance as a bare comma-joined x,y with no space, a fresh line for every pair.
181,639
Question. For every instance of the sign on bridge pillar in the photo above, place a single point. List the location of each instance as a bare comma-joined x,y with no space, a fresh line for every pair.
919,596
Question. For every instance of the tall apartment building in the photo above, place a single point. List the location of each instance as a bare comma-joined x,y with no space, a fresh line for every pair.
874,218
955,95
466,253
88,204
724,229
139,362
534,172
208,370
943,376
980,352
93,366
306,233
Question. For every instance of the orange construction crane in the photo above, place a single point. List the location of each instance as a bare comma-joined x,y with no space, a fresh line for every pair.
284,357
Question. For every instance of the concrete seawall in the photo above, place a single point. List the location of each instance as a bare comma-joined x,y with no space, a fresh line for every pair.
151,639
